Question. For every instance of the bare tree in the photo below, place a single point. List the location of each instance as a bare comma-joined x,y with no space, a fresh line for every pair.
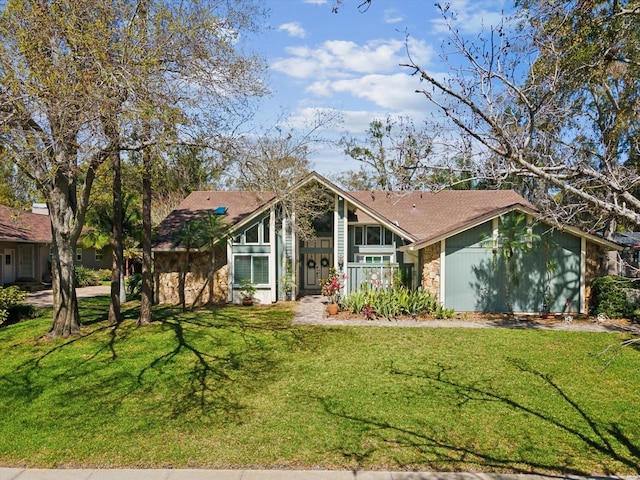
553,97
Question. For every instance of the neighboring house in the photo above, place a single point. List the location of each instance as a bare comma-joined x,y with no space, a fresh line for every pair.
25,241
440,242
629,259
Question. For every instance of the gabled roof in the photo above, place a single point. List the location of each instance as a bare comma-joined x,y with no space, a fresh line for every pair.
25,227
422,218
238,206
427,215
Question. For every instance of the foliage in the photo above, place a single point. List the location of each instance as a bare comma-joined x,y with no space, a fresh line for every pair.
83,81
230,387
394,155
134,285
550,97
617,297
392,303
87,277
332,284
247,288
10,297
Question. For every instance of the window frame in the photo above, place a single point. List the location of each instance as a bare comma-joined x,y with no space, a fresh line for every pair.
251,256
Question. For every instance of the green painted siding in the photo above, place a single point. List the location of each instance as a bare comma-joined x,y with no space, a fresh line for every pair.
475,280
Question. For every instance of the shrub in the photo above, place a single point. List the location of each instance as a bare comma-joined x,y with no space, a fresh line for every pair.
615,296
10,299
86,277
393,303
104,274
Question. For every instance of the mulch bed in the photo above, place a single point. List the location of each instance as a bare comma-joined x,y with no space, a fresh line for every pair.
502,318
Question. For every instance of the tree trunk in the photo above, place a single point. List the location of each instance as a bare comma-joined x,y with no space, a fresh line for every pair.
146,299
66,319
115,315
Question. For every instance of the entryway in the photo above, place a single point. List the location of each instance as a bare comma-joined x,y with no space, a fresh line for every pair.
316,260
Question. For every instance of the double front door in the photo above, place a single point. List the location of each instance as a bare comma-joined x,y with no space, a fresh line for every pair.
317,259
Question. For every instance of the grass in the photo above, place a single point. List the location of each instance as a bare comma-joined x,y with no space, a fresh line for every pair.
240,387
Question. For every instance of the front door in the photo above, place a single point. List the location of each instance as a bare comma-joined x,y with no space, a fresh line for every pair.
8,269
317,259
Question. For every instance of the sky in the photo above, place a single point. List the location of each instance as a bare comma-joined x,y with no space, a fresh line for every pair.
350,62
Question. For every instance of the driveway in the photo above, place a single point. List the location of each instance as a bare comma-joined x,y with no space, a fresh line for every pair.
44,298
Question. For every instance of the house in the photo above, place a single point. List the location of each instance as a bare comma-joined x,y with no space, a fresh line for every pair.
25,241
444,242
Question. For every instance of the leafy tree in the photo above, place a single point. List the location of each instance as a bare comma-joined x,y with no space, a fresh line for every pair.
83,81
394,155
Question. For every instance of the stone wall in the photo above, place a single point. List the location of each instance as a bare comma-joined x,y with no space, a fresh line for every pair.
430,257
169,267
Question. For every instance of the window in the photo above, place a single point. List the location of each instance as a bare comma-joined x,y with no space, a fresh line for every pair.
99,255
78,254
372,235
358,235
251,235
266,237
373,258
253,267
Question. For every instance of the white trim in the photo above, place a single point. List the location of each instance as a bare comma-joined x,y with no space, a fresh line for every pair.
230,271
272,255
295,266
336,219
583,275
443,256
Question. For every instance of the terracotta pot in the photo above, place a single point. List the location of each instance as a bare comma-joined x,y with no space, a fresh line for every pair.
332,308
247,301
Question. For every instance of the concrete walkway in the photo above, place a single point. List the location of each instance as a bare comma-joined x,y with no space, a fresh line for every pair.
44,298
132,474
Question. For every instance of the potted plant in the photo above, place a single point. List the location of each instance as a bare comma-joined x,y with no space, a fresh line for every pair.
331,287
247,290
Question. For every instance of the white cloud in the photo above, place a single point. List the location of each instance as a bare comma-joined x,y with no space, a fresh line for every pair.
392,16
396,92
293,29
343,59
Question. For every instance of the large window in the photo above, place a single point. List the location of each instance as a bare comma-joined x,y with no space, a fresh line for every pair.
253,267
372,235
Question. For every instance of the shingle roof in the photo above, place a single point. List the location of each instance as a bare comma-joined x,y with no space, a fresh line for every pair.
238,205
429,215
422,215
18,226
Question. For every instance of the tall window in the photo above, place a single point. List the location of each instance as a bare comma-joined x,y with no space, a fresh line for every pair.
253,267
99,255
78,254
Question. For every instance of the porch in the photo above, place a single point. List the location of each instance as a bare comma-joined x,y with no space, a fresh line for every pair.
378,276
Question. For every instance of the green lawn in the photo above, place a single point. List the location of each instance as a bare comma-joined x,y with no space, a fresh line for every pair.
240,387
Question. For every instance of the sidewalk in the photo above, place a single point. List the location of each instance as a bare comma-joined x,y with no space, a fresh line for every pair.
131,474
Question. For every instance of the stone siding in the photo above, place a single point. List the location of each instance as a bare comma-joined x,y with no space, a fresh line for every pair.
431,269
169,267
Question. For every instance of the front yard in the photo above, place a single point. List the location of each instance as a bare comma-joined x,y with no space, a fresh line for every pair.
240,387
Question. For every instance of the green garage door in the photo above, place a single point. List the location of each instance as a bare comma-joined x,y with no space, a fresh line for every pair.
475,280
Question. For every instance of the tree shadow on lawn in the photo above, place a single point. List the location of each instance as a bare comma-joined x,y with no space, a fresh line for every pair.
435,448
210,362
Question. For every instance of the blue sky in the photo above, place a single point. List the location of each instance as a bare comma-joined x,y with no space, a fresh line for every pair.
349,61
